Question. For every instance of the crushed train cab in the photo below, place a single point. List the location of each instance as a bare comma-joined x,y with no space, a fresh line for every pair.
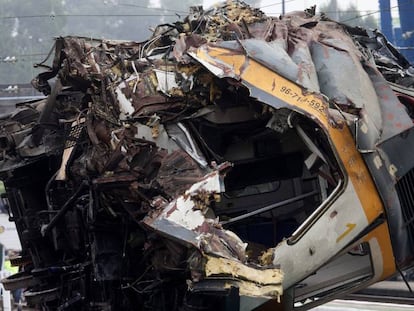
232,161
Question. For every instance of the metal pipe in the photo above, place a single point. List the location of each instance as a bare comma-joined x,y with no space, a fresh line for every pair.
46,228
269,207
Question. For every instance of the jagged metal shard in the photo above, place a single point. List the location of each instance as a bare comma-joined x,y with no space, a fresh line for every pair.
229,159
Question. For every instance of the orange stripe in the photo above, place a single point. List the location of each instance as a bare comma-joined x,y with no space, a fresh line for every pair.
381,233
278,86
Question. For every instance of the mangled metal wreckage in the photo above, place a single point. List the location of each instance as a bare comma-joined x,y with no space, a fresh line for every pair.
231,160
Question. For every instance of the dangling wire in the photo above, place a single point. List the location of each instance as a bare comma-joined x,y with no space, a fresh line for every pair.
405,279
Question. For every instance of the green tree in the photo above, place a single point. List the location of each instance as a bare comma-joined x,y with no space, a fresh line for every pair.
179,7
27,29
350,16
121,20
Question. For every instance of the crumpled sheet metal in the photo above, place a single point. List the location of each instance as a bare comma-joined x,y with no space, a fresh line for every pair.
353,87
187,219
274,56
302,48
136,97
264,283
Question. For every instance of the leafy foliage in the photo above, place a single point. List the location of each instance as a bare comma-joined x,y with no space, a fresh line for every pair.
350,16
27,28
24,37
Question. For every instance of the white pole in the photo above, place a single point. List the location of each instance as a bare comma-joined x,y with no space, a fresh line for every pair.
6,300
5,293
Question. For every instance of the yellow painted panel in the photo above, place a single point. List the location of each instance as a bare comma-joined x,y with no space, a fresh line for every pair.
382,235
349,228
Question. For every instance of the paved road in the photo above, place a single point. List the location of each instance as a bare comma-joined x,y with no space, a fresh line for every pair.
350,305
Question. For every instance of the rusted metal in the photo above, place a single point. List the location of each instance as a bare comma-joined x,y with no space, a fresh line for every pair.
229,159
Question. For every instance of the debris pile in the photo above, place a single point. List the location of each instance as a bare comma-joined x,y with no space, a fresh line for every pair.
164,173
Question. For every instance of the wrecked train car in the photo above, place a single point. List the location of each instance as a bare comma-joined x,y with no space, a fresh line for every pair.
232,161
